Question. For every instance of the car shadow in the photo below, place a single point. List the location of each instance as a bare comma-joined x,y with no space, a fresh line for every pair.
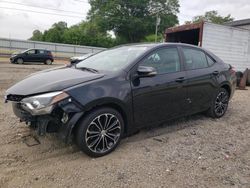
168,127
37,63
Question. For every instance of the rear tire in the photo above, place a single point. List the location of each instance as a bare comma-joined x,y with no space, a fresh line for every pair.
48,62
219,104
19,61
239,75
100,132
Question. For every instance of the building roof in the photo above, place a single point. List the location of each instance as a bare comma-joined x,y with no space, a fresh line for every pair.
184,27
238,22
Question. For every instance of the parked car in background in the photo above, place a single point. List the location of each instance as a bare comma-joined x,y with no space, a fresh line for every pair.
74,60
121,90
33,55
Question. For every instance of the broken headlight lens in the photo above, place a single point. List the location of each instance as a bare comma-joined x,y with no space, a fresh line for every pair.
43,104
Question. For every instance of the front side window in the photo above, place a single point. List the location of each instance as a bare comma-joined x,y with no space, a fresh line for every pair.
31,52
165,60
194,59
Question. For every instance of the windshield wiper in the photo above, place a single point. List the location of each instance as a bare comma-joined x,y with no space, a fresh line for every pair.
88,69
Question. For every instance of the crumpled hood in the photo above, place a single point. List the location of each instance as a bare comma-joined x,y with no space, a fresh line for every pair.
52,80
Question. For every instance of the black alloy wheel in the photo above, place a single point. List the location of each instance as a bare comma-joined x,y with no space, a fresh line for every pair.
100,132
220,104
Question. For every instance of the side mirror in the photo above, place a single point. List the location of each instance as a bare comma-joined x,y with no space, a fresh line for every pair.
25,53
144,71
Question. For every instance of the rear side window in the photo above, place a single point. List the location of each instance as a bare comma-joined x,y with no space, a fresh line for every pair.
42,52
194,59
210,61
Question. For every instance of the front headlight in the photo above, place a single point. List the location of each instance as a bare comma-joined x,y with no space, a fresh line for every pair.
43,104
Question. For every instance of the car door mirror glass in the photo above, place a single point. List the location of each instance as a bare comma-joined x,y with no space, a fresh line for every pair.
144,71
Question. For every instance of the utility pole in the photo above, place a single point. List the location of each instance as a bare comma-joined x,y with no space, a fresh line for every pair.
158,21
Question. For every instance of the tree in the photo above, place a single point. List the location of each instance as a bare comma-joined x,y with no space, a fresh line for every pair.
84,33
87,33
212,16
132,20
151,38
55,33
37,35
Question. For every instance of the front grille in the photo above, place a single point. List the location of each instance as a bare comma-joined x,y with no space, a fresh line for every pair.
15,98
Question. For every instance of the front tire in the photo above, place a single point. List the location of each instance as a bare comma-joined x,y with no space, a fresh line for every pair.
100,132
19,61
219,104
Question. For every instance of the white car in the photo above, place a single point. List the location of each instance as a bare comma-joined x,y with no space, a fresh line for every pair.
74,60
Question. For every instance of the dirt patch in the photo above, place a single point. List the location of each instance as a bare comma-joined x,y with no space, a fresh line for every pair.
190,152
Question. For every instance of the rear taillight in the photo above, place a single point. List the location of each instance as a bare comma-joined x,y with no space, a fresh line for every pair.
50,54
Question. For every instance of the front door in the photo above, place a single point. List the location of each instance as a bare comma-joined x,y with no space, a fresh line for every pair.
163,96
31,56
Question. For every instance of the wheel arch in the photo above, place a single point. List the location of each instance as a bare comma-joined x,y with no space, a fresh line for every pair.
227,87
111,103
18,58
50,58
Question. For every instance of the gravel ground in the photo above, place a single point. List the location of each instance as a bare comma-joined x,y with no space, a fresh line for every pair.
195,151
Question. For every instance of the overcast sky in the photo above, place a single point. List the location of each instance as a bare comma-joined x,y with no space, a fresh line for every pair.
18,24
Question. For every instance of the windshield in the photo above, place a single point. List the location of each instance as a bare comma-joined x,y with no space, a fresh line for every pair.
114,59
19,52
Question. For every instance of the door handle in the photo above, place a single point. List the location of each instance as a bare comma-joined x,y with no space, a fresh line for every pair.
215,73
181,79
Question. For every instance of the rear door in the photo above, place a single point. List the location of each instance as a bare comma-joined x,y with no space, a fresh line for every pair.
41,55
201,78
162,97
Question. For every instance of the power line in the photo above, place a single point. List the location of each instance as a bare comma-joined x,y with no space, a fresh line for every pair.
81,1
124,2
41,7
72,12
42,12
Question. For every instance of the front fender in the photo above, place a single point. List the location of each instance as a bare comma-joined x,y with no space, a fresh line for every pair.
66,129
106,101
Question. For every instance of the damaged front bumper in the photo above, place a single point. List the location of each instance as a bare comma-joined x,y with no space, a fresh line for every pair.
62,117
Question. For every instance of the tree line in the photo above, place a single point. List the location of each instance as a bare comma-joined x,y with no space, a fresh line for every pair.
110,23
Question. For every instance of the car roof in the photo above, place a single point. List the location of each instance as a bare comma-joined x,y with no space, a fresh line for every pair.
154,45
37,49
